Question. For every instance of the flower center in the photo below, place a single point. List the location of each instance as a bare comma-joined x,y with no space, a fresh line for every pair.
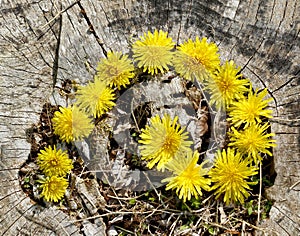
51,186
231,174
153,53
200,60
250,140
251,110
193,64
188,174
95,97
224,86
54,162
113,71
170,143
76,124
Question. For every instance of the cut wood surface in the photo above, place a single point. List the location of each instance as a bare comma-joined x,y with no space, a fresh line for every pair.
45,42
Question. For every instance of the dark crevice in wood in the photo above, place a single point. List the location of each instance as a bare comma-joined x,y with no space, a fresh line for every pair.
17,218
44,33
168,12
286,83
278,223
125,7
8,169
18,48
287,216
13,207
178,34
272,11
41,223
8,195
295,14
56,53
55,17
265,86
91,28
227,32
282,19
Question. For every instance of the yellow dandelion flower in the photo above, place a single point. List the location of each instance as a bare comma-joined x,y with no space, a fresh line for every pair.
196,59
229,176
188,177
53,188
252,141
227,85
54,162
249,109
162,141
95,98
153,51
71,124
115,70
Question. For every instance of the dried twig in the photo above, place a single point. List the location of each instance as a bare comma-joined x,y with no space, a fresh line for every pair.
173,225
260,188
250,225
294,185
153,187
59,13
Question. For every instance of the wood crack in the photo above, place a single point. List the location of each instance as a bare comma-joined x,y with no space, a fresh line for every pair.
40,223
91,28
286,83
265,86
287,216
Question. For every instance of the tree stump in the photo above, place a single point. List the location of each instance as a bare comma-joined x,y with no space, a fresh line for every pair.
44,42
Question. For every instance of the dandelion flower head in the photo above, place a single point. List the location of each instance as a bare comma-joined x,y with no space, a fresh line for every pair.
115,70
227,85
196,59
54,162
188,177
153,51
71,124
249,110
95,98
252,141
162,140
229,176
53,188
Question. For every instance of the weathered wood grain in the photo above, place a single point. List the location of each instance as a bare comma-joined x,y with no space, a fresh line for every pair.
44,42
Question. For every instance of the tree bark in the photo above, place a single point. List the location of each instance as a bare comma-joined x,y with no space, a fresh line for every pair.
44,42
